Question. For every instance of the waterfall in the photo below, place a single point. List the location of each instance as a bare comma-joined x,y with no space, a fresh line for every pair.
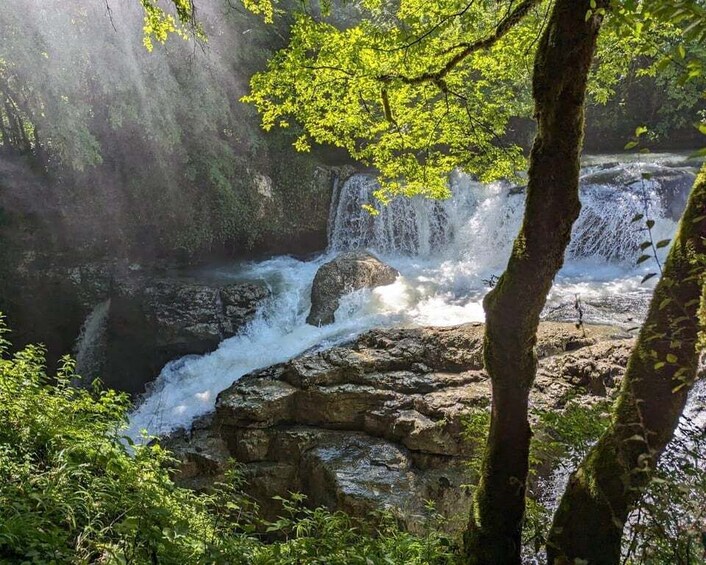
446,252
413,226
479,222
91,342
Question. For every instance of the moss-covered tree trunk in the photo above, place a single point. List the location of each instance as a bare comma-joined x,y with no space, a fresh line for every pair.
513,307
589,522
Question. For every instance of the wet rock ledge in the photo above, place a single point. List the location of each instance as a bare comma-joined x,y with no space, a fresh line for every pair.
378,423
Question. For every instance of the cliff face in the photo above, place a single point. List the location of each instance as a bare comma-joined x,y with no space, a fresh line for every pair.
139,157
54,262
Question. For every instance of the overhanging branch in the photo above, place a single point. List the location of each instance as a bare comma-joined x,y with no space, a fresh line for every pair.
505,25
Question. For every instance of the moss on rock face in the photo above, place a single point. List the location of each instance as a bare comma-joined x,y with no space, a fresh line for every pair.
291,195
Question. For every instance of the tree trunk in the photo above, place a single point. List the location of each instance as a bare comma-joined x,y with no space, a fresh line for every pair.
513,307
4,138
662,368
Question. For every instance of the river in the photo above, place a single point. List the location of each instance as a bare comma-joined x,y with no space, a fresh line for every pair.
448,253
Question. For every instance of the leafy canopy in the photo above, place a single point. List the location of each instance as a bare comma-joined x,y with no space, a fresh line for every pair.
417,89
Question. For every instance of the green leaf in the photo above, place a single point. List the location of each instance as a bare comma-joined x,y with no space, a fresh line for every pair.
637,218
647,277
644,245
659,365
643,258
650,224
679,387
671,358
630,145
663,243
640,131
702,128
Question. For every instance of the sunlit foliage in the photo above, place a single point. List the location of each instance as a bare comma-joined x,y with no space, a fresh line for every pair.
159,24
417,89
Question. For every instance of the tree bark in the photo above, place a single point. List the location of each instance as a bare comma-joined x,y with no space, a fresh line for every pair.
4,138
604,489
513,307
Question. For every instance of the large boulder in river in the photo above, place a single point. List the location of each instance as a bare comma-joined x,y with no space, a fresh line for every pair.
378,424
347,272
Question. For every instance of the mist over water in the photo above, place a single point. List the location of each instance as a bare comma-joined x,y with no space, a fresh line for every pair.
139,146
446,253
81,55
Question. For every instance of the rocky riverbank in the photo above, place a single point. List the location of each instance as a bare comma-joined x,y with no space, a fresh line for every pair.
379,423
123,321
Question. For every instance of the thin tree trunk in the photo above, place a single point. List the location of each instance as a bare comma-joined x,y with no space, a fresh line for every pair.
513,307
4,138
601,493
13,139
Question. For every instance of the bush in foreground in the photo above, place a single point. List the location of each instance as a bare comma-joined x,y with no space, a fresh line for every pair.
73,491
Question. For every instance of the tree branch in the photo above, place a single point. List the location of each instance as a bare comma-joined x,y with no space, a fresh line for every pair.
506,24
431,30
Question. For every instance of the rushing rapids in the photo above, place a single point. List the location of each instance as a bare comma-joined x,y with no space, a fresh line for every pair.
448,253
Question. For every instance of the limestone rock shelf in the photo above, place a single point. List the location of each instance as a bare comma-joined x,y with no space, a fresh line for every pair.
378,423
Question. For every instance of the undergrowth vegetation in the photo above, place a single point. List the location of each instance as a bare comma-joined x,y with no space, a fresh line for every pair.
73,490
669,525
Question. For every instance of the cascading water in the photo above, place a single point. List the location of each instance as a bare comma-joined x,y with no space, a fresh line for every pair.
479,221
446,251
90,345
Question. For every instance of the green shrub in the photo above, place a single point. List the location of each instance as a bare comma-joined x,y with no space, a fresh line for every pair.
72,490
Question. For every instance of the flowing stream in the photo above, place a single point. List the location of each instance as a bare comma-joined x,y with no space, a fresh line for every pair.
447,253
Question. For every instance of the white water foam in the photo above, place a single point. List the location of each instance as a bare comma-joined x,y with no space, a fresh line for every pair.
446,252
188,387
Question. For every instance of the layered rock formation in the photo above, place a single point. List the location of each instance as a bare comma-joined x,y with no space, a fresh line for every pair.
151,322
134,320
379,423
